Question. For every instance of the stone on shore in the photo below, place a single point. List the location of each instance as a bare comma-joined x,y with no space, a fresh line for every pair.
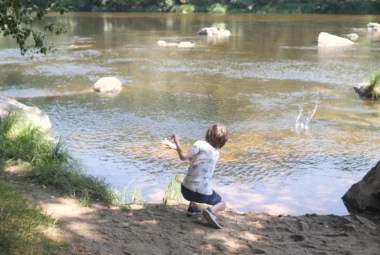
110,85
364,196
30,115
328,40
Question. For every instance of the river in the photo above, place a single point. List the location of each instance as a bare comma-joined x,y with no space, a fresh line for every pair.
300,135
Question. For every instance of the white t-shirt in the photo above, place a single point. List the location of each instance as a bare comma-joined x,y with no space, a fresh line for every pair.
201,169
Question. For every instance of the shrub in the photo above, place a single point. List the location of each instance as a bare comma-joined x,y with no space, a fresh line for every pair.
183,8
218,8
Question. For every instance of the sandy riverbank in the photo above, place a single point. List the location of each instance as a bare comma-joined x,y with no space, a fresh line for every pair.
155,230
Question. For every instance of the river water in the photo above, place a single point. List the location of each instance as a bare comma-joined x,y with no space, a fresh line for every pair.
300,136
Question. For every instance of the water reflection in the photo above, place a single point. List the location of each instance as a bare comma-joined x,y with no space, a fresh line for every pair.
255,82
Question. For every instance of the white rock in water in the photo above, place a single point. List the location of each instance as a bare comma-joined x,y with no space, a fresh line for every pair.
186,45
326,39
373,26
108,85
172,45
214,32
31,115
353,36
162,43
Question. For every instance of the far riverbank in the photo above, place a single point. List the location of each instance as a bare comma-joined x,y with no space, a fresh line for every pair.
253,6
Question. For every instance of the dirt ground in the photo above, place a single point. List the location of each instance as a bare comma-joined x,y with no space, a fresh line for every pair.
152,229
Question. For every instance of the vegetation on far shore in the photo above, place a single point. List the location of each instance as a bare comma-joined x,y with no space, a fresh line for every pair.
224,6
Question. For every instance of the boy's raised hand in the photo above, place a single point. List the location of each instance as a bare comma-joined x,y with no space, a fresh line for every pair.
168,144
176,139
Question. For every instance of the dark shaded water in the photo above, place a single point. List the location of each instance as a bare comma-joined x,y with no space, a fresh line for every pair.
255,82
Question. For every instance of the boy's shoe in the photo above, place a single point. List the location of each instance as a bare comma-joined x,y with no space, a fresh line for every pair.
192,211
211,218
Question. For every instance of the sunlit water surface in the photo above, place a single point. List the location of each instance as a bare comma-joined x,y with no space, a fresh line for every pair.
300,136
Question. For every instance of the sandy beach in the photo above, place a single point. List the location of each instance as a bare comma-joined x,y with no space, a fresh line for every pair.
153,229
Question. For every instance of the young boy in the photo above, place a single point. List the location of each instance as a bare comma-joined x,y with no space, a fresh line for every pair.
196,185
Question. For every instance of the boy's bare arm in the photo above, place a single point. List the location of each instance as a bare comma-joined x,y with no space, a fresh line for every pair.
183,155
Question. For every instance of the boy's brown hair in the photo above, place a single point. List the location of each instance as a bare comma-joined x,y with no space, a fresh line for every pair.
217,135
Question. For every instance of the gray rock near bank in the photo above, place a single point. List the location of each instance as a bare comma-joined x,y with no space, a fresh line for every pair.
110,85
30,115
328,40
364,196
365,92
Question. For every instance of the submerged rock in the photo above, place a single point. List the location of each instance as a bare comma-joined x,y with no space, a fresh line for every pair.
110,85
163,43
186,45
30,115
326,39
364,196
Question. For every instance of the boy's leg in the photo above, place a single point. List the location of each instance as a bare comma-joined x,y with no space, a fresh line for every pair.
193,204
218,207
193,209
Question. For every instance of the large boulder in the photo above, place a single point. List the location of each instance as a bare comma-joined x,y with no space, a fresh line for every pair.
364,196
31,115
110,85
328,40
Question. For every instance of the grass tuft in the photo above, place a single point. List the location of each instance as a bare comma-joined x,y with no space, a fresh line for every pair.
50,162
173,192
374,84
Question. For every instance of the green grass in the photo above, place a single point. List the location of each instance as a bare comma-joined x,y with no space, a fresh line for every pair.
374,83
173,191
133,196
50,163
24,229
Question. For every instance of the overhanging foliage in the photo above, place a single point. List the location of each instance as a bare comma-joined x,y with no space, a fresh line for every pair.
18,16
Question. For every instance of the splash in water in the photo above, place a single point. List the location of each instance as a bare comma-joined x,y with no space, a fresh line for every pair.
305,125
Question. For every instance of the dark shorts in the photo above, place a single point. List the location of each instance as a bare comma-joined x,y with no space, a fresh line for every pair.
190,195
